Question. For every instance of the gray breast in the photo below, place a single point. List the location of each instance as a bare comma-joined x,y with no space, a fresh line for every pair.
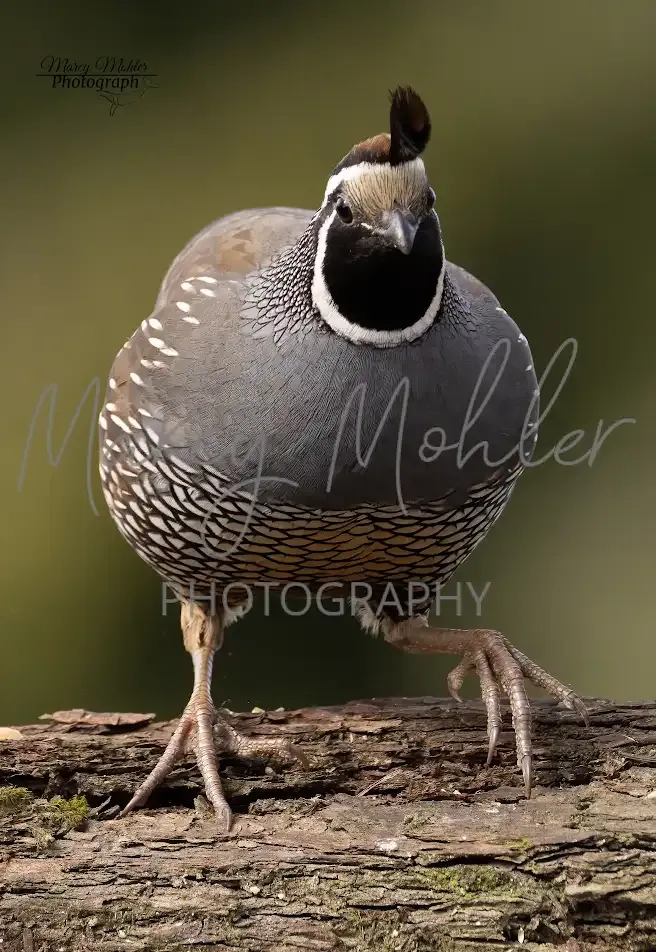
296,455
323,423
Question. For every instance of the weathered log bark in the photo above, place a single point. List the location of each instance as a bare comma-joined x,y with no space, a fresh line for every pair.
396,839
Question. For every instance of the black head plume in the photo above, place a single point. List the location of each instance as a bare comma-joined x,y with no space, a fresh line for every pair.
410,126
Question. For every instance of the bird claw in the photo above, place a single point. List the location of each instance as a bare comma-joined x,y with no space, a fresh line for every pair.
574,703
501,666
203,731
492,746
527,773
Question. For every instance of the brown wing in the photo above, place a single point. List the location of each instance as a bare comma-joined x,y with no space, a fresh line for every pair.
234,245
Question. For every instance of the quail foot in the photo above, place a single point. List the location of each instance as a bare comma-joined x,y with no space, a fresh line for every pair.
322,398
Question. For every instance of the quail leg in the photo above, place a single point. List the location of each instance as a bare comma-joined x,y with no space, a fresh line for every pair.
499,666
200,723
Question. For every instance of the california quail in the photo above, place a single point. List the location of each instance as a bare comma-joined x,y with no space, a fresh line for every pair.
322,398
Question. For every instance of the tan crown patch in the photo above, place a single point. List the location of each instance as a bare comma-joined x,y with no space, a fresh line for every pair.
378,187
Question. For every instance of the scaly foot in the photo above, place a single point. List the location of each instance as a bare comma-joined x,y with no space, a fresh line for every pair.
198,729
499,666
200,722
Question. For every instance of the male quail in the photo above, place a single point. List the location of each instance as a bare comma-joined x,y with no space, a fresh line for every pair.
322,398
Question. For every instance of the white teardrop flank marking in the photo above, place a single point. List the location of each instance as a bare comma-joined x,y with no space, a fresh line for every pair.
132,521
191,536
144,412
169,352
501,310
183,306
110,444
160,364
149,466
191,320
119,422
207,292
137,379
163,467
155,323
183,465
151,433
146,363
136,508
112,383
172,503
156,342
111,407
133,422
138,491
186,286
102,421
207,280
127,345
530,367
521,339
144,325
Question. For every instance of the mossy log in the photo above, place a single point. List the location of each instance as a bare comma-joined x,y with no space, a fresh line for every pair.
396,838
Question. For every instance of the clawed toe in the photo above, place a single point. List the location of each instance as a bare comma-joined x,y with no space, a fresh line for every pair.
268,748
574,703
492,745
284,752
500,666
202,731
527,773
176,747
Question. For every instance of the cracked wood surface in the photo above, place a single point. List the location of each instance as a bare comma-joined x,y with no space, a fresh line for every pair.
397,838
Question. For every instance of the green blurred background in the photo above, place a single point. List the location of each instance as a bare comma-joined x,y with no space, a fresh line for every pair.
543,159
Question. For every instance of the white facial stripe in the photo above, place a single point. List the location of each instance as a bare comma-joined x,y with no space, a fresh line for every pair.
323,301
363,168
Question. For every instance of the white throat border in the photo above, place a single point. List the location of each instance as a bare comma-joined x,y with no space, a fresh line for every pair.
325,305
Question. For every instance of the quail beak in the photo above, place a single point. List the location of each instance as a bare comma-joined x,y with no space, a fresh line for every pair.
400,228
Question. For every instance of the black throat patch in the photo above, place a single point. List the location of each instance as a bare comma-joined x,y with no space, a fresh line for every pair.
374,285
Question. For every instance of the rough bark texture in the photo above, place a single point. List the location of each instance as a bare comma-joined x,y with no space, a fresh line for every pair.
396,839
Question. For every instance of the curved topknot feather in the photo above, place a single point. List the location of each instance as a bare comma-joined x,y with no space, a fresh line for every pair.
410,126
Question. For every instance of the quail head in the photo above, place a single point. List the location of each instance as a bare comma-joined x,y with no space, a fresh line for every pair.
321,398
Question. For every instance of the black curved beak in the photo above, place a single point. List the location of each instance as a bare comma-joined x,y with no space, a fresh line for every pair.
400,229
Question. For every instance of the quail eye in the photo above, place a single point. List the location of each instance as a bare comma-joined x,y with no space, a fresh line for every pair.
344,211
430,197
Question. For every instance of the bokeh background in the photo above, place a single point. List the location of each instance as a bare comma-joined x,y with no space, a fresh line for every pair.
543,160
